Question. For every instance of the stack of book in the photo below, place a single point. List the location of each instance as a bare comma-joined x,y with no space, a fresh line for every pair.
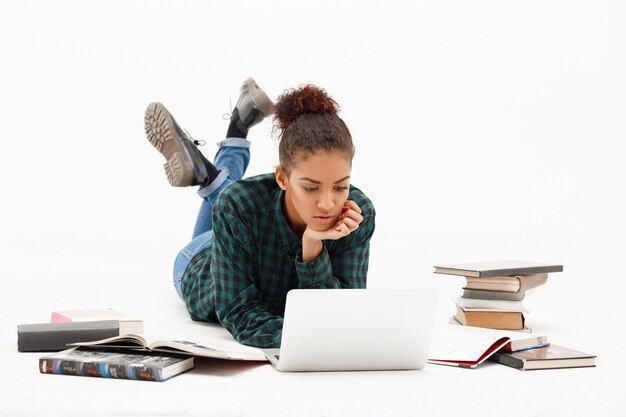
131,356
492,297
468,347
106,343
70,326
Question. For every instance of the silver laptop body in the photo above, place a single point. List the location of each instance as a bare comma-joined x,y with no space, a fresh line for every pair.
355,329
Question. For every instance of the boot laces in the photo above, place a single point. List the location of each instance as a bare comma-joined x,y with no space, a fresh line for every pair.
227,116
194,141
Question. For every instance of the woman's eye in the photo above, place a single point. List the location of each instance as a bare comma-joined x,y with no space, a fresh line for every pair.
310,188
341,188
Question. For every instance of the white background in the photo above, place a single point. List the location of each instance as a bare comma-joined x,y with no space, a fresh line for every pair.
485,130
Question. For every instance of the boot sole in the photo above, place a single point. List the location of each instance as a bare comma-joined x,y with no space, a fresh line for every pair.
260,98
161,132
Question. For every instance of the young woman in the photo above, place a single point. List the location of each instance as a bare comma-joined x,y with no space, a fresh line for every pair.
303,226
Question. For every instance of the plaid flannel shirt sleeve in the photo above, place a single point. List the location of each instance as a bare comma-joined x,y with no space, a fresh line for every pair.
345,265
238,302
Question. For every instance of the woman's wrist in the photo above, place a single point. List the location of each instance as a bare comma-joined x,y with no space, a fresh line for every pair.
311,248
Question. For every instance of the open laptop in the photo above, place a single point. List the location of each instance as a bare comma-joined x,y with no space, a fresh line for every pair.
355,329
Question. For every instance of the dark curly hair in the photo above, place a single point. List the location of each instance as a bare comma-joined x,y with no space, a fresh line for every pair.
307,122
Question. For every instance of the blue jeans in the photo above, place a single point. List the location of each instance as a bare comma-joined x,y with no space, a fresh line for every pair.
232,159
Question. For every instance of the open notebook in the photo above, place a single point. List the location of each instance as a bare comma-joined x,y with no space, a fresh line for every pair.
468,347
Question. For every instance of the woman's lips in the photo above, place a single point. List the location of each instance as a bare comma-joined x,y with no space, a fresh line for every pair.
324,219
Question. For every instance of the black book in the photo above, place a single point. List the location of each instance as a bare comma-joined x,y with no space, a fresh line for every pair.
145,366
498,268
53,337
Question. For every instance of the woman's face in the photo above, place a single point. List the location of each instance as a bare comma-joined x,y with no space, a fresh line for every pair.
315,190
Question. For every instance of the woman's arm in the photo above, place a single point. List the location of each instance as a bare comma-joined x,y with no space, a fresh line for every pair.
341,263
238,302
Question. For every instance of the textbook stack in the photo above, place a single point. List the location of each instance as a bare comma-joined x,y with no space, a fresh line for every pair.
493,295
70,326
105,343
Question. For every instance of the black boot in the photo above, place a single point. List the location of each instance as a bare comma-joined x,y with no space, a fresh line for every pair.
252,107
185,163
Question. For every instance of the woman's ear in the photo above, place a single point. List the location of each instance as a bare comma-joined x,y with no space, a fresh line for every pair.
281,177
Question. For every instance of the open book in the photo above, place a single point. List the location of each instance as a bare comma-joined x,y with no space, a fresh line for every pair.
468,347
138,342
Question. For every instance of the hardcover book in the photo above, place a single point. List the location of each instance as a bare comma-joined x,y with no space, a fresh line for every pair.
504,320
453,320
493,295
137,342
128,324
468,347
549,357
50,337
498,268
513,284
472,304
111,364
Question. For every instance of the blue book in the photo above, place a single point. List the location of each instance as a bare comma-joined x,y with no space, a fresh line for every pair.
121,364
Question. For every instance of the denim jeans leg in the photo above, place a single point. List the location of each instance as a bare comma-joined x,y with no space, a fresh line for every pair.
199,243
234,154
232,158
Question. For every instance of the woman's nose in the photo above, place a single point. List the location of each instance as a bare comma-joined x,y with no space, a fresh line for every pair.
326,202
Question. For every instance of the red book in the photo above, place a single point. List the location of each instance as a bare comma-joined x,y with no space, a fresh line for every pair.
468,347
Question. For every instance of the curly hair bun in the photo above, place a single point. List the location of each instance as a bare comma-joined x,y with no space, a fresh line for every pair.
297,101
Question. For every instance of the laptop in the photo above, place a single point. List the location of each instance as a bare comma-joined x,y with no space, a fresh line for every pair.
355,330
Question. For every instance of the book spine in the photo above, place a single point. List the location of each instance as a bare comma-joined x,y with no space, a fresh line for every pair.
507,360
99,369
143,373
59,366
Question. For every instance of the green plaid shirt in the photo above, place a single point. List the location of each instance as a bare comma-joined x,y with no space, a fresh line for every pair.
255,258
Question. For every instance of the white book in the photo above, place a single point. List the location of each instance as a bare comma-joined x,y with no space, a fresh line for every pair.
473,304
128,324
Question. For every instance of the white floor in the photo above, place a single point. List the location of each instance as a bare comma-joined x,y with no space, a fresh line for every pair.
584,318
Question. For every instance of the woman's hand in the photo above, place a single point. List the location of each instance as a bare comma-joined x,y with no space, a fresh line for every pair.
347,223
